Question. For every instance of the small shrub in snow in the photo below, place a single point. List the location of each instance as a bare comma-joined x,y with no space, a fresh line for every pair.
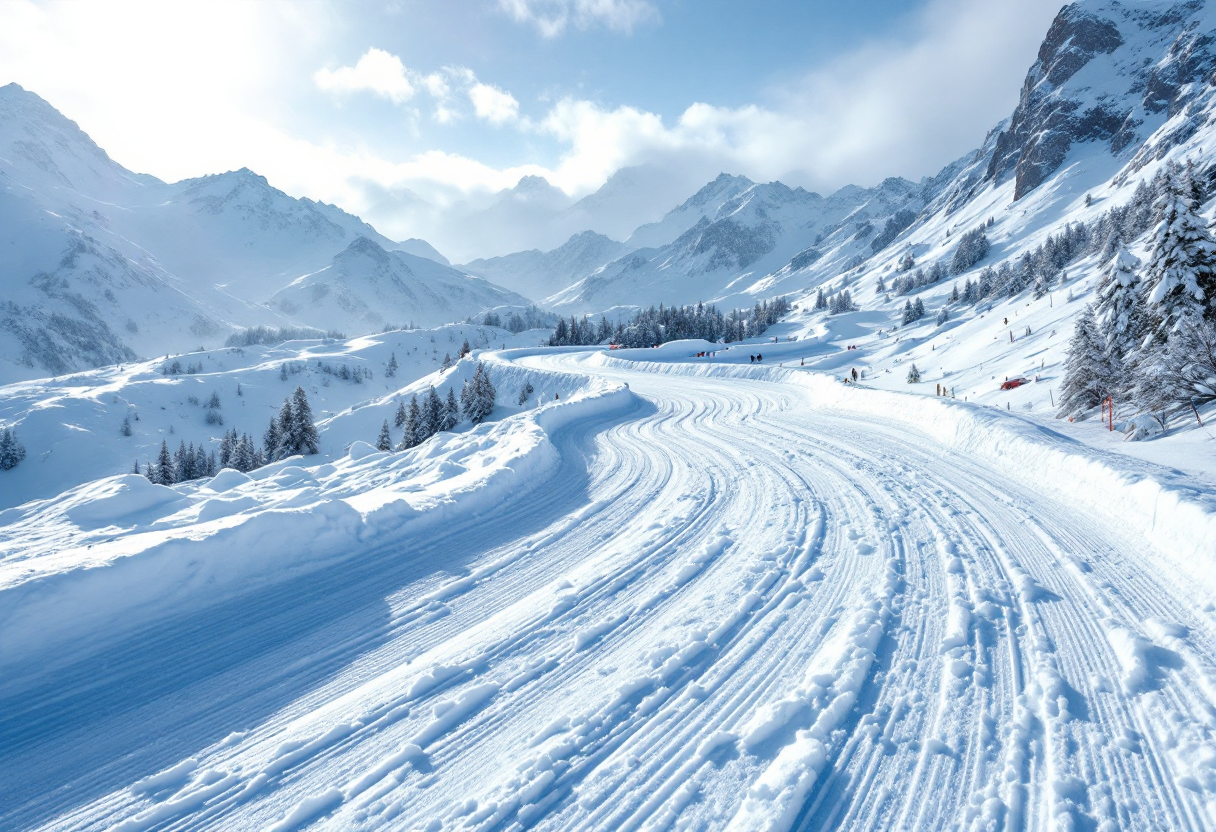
913,375
525,393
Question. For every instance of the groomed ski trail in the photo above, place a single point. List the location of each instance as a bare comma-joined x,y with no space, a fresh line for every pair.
726,610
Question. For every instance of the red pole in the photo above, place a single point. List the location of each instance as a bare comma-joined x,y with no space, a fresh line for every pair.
1110,412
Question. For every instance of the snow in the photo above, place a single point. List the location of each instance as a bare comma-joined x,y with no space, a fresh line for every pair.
721,596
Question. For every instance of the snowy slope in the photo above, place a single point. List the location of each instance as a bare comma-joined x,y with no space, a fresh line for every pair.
537,274
366,288
71,426
721,598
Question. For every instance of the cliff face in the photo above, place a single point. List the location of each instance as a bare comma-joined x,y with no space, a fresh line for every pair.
1106,72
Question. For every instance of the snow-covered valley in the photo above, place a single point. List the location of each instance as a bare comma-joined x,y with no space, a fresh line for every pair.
723,597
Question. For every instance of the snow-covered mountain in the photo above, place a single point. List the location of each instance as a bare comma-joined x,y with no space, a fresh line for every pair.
366,288
538,274
733,239
99,264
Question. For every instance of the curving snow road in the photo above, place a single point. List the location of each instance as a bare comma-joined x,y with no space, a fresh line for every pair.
726,610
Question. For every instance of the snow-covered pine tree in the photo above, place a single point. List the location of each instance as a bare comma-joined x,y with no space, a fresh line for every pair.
943,315
282,372
150,471
464,348
304,438
879,286
226,447
1190,368
399,419
271,439
909,315
11,450
913,375
918,309
164,466
821,301
525,393
434,412
412,426
135,467
1180,276
1120,313
447,363
283,428
907,262
384,442
125,430
477,397
451,410
1087,373
391,369
214,401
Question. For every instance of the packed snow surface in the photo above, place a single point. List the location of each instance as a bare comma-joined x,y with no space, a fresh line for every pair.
685,594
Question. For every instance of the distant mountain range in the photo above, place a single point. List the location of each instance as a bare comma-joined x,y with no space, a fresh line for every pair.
99,264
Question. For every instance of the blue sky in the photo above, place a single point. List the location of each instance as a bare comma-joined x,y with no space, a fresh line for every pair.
445,103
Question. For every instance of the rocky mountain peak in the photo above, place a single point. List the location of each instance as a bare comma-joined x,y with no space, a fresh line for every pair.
1106,72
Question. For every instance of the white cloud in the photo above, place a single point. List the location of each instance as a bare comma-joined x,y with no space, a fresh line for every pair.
492,104
887,108
377,71
553,17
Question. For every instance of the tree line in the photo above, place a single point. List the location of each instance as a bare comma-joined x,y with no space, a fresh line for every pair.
651,327
1149,337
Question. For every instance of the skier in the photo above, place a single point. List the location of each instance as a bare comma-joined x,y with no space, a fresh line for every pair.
759,357
854,374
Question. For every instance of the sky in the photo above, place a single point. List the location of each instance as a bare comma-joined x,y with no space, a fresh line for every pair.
414,114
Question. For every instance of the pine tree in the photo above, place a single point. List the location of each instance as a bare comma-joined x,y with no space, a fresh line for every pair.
433,412
1086,369
271,439
391,369
283,428
304,438
447,363
11,450
1120,312
282,372
214,401
125,430
1180,278
201,467
909,315
525,393
451,411
164,466
918,309
464,348
943,315
413,418
135,467
477,396
384,442
913,375
226,447
399,419
150,471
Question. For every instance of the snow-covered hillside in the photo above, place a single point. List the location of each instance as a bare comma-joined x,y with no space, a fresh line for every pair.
720,596
366,288
538,274
100,265
72,426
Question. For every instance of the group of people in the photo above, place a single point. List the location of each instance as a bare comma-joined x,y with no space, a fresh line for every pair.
756,358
